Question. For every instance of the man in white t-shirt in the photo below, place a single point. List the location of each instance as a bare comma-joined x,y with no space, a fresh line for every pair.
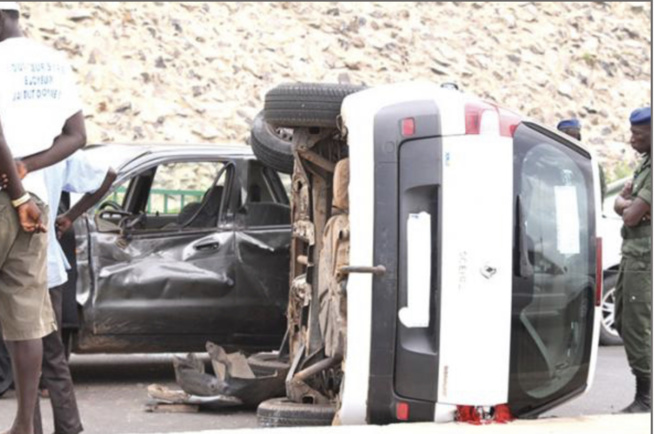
77,174
41,124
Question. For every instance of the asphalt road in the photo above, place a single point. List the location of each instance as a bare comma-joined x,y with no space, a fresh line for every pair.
112,396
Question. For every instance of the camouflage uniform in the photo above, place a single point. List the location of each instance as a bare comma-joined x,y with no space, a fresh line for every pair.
633,293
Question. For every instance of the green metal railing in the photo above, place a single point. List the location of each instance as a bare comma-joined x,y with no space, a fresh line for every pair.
164,197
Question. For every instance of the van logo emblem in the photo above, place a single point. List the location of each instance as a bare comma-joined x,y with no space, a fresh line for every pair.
488,271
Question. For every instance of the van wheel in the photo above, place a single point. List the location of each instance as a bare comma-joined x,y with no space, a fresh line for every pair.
271,145
608,334
278,412
306,104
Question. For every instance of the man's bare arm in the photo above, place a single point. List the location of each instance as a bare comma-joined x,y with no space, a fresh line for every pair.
624,198
71,139
65,221
29,215
7,167
621,204
634,213
90,199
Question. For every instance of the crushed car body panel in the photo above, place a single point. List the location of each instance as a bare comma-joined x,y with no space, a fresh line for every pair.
150,282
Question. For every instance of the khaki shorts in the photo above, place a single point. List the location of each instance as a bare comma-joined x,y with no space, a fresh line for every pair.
25,308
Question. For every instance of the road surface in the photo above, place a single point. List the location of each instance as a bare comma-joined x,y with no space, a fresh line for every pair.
112,396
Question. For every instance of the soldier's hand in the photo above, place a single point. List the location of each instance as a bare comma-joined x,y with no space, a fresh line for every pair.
627,189
29,216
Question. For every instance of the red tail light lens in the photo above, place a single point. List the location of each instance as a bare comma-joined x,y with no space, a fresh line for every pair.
408,127
402,411
599,273
509,122
474,113
473,118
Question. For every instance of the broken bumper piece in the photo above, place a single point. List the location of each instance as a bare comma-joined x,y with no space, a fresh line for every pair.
236,380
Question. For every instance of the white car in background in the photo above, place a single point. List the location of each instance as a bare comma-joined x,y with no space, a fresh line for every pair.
610,226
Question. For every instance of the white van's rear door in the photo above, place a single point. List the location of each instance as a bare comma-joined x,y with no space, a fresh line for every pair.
476,270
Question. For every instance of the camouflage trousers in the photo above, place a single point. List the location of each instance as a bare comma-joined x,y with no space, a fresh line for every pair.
633,313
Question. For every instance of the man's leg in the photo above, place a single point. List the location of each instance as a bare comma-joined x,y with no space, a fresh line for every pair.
637,330
57,378
38,423
617,295
26,359
25,308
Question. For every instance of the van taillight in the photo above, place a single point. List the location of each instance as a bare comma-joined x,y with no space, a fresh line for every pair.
474,113
509,122
599,276
408,127
402,411
473,118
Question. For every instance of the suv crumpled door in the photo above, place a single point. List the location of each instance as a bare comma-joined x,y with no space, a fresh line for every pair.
167,281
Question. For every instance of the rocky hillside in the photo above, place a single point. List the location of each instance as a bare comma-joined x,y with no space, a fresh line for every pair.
198,72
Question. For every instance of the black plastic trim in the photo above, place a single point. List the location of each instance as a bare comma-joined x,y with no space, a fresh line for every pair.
382,398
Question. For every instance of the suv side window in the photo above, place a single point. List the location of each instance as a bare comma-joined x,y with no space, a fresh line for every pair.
265,196
178,185
173,195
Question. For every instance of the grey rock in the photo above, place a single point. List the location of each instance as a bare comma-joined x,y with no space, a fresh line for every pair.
514,58
80,15
123,107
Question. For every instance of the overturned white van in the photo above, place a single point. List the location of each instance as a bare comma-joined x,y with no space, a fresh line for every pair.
444,254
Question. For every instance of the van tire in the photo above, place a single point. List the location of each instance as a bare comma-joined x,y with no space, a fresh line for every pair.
280,412
269,148
306,104
608,338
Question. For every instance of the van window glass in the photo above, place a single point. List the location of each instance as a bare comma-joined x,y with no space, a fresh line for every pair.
553,299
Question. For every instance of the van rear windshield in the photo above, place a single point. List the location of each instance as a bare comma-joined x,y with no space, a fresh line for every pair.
554,271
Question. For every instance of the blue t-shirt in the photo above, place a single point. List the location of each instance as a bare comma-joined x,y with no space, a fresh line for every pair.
76,174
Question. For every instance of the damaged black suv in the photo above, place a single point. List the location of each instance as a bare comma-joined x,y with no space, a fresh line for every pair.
191,244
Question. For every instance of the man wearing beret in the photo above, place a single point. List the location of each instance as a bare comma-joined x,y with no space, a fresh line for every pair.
572,127
633,292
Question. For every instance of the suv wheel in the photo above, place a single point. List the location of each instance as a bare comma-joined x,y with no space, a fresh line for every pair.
306,104
608,334
271,145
